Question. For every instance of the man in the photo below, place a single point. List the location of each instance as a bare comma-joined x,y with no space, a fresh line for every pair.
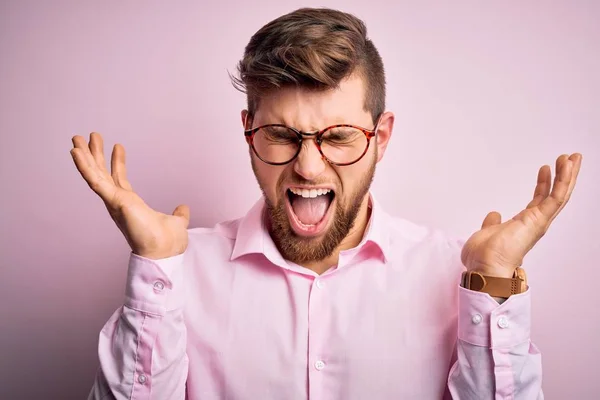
317,293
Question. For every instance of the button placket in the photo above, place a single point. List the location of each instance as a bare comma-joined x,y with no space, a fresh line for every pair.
319,365
318,311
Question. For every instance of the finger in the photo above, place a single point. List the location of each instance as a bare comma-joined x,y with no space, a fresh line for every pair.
576,159
542,189
96,147
183,211
553,203
90,172
80,143
117,167
493,218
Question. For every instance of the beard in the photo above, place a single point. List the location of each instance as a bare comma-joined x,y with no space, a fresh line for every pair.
303,250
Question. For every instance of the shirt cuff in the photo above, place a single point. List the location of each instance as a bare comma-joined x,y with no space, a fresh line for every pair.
484,322
154,286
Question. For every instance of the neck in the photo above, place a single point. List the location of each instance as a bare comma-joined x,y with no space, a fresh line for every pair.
350,241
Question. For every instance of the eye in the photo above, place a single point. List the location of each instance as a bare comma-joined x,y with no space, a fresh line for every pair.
342,136
278,134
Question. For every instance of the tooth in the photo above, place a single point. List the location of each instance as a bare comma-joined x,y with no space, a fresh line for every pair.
309,193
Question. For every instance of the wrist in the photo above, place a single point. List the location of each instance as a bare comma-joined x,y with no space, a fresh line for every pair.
497,271
158,255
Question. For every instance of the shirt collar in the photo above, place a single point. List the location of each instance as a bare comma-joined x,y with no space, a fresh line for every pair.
252,236
378,229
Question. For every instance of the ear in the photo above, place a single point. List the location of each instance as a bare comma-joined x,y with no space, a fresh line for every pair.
384,133
246,119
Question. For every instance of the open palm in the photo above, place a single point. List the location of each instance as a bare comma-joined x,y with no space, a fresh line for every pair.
149,233
499,247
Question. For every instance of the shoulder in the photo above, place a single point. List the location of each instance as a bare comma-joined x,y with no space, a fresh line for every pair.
425,248
217,238
420,235
225,229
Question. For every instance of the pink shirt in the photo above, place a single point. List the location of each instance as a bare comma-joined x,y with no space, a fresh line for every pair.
231,319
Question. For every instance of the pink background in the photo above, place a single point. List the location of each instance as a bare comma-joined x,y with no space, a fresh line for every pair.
484,93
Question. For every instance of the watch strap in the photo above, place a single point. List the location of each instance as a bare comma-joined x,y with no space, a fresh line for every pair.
495,286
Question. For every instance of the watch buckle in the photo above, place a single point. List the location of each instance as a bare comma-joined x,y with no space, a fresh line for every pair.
476,281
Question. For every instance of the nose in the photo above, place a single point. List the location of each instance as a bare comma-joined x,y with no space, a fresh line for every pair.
309,164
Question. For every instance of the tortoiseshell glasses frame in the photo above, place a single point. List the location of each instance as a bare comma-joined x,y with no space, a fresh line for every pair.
318,136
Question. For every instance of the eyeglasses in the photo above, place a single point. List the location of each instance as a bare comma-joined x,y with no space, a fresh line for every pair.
341,144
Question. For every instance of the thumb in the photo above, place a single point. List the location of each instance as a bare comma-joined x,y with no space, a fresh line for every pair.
493,218
182,211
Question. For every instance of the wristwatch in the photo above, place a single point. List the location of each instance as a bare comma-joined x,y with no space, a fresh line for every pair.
495,286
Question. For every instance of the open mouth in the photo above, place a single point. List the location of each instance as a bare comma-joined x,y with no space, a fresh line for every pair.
309,209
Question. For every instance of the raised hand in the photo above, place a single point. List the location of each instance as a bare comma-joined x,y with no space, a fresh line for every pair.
499,247
149,233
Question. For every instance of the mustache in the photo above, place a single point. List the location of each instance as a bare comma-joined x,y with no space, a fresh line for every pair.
297,180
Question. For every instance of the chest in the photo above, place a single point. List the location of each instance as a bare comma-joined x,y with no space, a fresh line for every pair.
342,335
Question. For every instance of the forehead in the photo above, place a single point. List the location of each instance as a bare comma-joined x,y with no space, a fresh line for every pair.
309,110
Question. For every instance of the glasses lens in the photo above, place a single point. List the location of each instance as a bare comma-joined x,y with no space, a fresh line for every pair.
276,144
344,144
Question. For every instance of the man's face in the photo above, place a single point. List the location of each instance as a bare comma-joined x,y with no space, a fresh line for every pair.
308,229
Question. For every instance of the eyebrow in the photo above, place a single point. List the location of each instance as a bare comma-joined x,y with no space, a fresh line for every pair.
313,128
278,120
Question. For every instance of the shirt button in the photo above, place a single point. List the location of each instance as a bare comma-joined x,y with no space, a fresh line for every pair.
159,286
319,365
477,318
142,379
503,322
320,284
